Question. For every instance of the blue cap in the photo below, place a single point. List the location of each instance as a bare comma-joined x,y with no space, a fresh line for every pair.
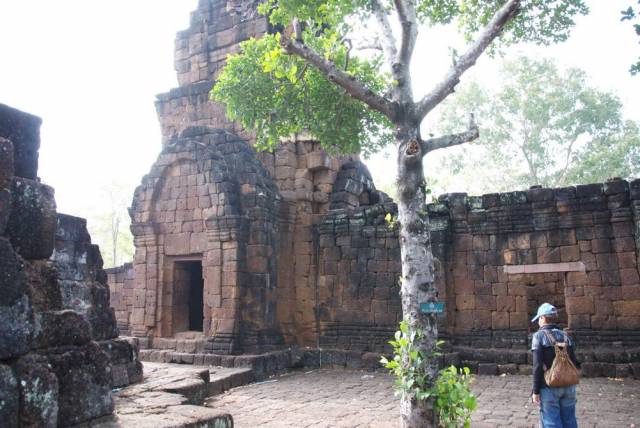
545,310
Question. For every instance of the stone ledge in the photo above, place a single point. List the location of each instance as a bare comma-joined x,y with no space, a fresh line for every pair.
624,362
172,396
261,366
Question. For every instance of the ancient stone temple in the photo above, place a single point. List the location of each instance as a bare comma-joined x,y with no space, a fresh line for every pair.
246,252
59,351
224,237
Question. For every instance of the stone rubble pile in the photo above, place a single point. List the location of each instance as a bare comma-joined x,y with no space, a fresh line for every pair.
59,352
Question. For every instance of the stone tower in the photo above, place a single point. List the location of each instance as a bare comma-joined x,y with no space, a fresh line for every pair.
217,225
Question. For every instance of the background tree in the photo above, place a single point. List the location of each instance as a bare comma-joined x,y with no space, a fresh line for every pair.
110,229
309,78
629,15
542,126
616,156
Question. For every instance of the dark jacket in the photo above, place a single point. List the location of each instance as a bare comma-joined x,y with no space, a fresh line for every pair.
544,353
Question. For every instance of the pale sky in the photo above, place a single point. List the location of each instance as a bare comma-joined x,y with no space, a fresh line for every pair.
91,70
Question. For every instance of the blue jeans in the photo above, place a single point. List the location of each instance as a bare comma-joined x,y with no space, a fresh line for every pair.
558,407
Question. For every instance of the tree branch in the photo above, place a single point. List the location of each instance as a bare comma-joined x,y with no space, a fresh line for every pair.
373,45
401,64
297,29
407,16
471,134
349,83
388,40
452,78
566,163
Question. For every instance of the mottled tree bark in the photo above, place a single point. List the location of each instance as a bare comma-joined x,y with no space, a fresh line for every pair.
418,278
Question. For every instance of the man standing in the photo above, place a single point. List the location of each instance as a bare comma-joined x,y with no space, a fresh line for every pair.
557,405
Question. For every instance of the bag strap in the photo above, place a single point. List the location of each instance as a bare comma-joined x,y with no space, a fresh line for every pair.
550,336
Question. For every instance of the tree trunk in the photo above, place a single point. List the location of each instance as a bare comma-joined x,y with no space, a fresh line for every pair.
418,279
115,229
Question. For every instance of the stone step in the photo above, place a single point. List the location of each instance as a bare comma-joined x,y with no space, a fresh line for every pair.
523,356
193,382
171,395
261,365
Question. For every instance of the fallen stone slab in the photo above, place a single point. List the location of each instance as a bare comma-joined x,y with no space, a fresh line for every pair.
169,396
158,409
261,365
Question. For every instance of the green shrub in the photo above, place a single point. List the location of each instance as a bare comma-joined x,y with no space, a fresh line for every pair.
453,400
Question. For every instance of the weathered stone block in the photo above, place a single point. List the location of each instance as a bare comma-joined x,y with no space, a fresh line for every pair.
177,244
578,322
591,369
6,163
548,255
630,292
465,302
585,246
570,253
505,303
628,322
32,221
39,392
517,289
82,281
500,320
510,257
607,261
9,397
318,160
601,245
510,369
629,277
518,320
635,369
60,328
44,290
480,242
464,286
16,316
519,241
485,302
85,383
5,209
499,289
561,237
610,277
576,278
580,305
623,244
23,130
482,320
462,242
490,369
464,320
628,308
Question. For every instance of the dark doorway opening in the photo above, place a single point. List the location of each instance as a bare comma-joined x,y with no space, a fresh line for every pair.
196,301
189,299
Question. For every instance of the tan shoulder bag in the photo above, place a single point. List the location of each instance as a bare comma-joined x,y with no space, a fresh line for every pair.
562,372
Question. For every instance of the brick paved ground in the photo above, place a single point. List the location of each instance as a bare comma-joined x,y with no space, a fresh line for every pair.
341,398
